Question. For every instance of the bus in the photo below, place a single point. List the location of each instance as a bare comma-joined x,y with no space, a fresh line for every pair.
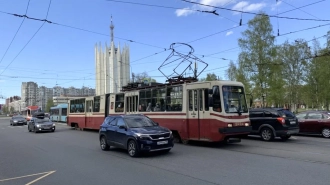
212,111
59,113
29,111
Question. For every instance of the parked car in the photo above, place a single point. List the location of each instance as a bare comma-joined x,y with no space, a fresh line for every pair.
273,122
18,120
134,133
39,123
314,122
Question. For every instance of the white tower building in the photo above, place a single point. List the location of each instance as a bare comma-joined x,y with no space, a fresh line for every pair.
112,66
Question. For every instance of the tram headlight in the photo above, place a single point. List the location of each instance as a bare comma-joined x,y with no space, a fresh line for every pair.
247,124
230,125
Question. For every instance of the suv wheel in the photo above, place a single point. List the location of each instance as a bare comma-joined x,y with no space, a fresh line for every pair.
104,144
267,134
326,132
132,149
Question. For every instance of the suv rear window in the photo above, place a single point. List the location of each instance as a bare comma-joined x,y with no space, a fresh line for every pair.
286,113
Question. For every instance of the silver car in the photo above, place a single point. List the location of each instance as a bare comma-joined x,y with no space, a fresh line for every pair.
18,120
41,125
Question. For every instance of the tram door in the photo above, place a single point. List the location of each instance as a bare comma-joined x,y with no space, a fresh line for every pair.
198,114
89,113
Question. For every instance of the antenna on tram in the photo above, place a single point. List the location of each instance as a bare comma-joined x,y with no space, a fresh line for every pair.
182,62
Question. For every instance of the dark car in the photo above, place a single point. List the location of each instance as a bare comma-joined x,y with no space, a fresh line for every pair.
134,133
18,120
39,123
273,122
314,122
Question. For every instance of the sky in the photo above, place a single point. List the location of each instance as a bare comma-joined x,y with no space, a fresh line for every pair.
64,56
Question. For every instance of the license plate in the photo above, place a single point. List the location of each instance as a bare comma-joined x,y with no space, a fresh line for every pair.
162,142
292,122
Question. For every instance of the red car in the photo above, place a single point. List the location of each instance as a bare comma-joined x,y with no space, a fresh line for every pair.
314,122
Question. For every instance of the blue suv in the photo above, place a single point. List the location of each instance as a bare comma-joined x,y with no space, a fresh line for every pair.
135,133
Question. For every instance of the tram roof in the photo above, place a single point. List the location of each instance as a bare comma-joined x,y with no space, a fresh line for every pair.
63,105
140,85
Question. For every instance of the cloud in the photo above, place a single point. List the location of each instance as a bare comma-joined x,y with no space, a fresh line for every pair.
186,11
183,12
246,6
229,33
274,6
2,81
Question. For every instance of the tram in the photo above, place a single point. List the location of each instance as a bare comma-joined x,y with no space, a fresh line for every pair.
210,111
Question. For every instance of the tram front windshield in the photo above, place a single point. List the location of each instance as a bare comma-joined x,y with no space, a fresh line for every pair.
234,99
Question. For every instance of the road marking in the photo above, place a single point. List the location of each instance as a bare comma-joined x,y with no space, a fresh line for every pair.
50,172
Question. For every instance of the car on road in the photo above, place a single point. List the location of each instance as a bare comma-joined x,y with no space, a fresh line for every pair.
314,122
273,122
134,133
18,120
39,123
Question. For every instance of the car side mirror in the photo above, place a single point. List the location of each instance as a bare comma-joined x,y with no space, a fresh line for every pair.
157,123
122,127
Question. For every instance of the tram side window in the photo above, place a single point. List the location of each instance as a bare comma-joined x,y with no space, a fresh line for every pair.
77,106
96,104
158,100
64,111
216,99
142,102
119,103
206,100
148,100
174,98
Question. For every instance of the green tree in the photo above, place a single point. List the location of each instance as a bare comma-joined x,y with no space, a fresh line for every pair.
49,104
5,109
141,77
210,77
231,72
294,60
12,110
257,54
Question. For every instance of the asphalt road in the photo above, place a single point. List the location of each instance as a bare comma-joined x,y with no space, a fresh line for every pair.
72,157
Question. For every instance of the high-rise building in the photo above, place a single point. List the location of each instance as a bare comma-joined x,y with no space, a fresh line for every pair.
44,94
112,66
29,92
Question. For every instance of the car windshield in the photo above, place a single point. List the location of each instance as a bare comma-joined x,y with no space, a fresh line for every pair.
41,120
18,117
234,99
286,113
137,122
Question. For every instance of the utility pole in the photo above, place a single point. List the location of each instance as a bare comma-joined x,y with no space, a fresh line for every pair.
195,70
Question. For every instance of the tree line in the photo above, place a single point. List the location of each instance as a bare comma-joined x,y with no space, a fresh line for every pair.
289,75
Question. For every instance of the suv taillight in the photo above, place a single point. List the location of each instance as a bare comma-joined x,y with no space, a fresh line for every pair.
281,120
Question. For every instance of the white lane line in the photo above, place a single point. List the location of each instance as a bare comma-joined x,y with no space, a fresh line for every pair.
40,178
47,173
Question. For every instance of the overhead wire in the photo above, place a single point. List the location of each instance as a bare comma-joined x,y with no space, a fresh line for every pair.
246,12
27,7
299,9
29,40
161,47
170,7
